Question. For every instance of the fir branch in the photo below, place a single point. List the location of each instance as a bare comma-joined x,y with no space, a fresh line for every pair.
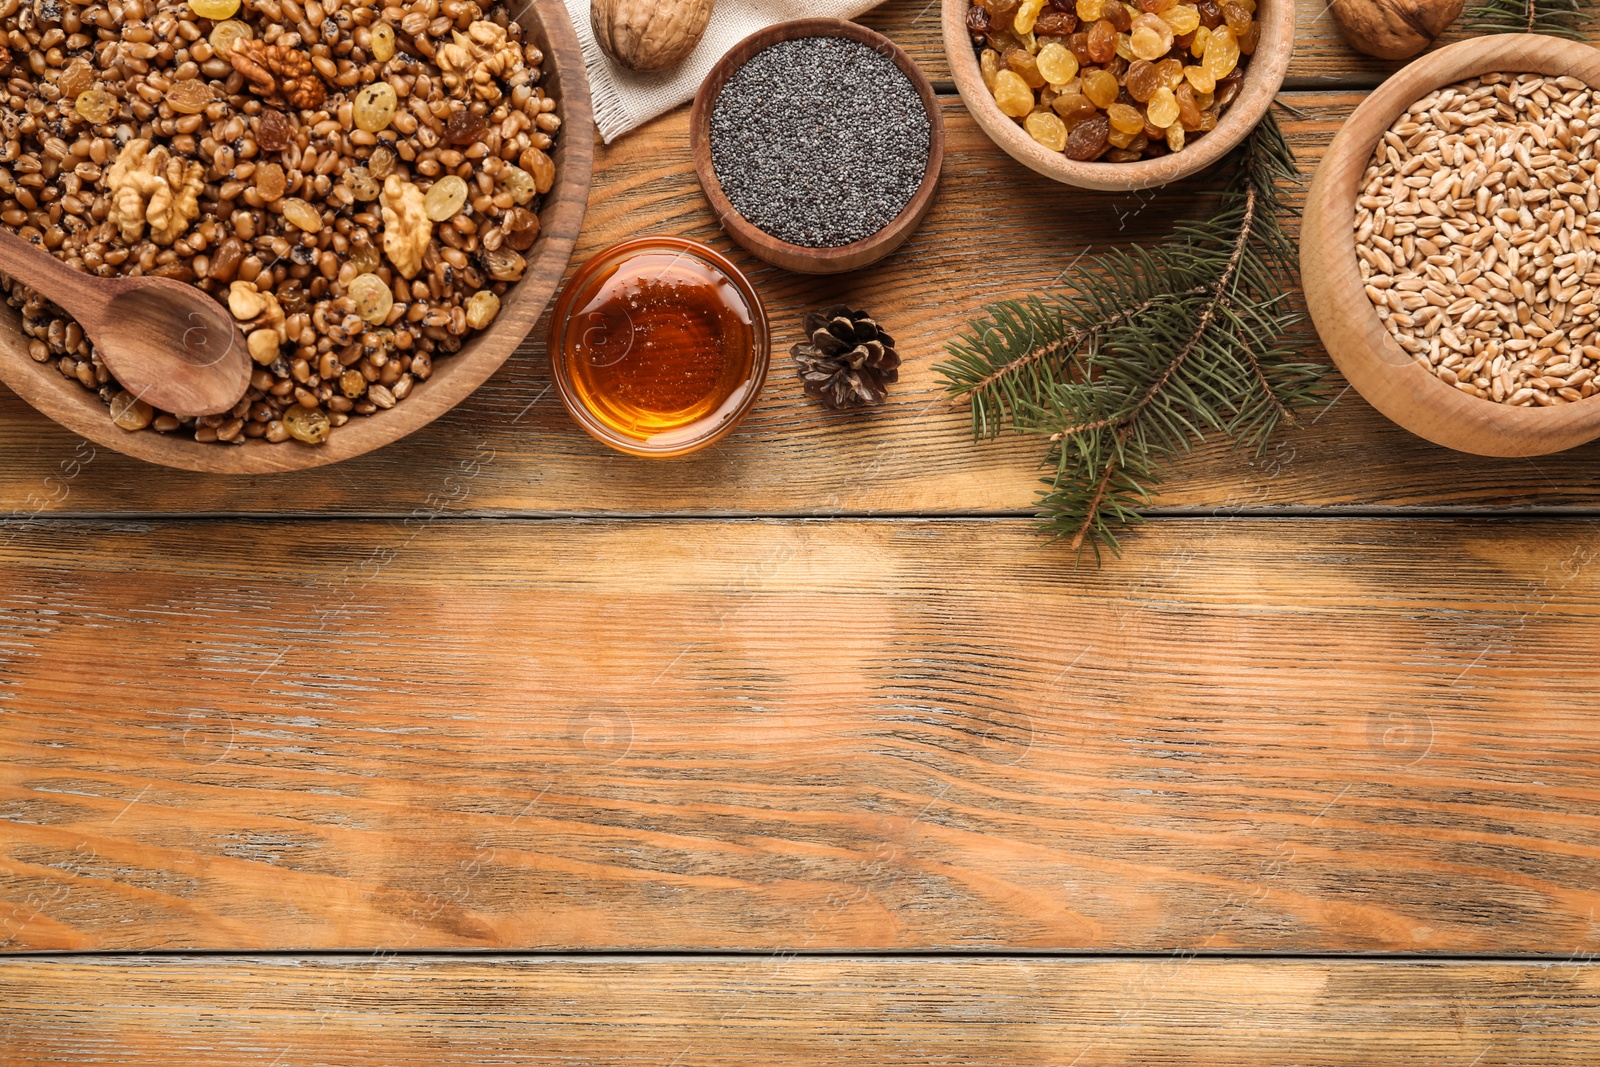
1007,364
1154,349
991,383
1560,18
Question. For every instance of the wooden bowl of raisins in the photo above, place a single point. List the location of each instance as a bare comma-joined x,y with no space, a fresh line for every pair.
1102,94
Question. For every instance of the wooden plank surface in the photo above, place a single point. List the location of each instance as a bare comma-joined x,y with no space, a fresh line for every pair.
1298,736
996,230
1263,736
797,1010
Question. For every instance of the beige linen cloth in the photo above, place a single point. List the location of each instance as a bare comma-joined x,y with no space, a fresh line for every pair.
624,100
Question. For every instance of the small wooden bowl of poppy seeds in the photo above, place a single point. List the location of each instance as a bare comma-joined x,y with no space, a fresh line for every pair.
818,143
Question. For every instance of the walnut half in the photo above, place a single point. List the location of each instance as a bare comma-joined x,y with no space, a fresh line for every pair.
473,60
270,68
149,186
406,227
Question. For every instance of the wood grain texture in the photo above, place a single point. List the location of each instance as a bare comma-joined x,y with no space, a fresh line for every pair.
995,230
764,246
1387,376
1260,735
789,1010
1264,70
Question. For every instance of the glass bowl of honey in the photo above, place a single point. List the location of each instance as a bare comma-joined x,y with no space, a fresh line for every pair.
659,346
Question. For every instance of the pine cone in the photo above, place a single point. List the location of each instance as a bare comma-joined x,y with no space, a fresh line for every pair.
848,361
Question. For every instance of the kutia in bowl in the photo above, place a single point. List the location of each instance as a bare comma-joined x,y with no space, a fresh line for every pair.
1109,95
384,197
1451,246
818,144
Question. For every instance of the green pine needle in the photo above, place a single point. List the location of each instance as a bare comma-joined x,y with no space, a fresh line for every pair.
1157,348
1560,18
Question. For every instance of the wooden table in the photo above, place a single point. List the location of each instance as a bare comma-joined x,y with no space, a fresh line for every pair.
497,747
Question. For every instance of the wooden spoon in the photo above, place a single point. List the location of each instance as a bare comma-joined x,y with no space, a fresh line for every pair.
166,342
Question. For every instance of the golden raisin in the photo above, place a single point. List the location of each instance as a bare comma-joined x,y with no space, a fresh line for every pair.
1199,79
1101,87
1163,109
362,185
1125,117
364,257
519,183
1022,61
224,34
482,307
1012,94
270,181
95,105
374,106
1047,128
381,164
1027,15
1151,37
75,79
445,198
310,425
190,97
989,66
1182,18
1222,53
214,9
373,298
1056,63
301,214
382,41
522,228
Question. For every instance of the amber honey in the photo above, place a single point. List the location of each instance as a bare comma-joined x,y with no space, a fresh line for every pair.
659,346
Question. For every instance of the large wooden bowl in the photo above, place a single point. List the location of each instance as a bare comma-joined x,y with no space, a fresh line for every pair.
1362,347
1262,77
780,253
454,377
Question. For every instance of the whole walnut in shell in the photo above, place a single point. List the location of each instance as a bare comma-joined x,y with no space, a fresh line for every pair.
648,35
1393,29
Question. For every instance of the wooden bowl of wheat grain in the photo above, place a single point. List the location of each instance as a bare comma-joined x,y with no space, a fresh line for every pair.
1392,380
